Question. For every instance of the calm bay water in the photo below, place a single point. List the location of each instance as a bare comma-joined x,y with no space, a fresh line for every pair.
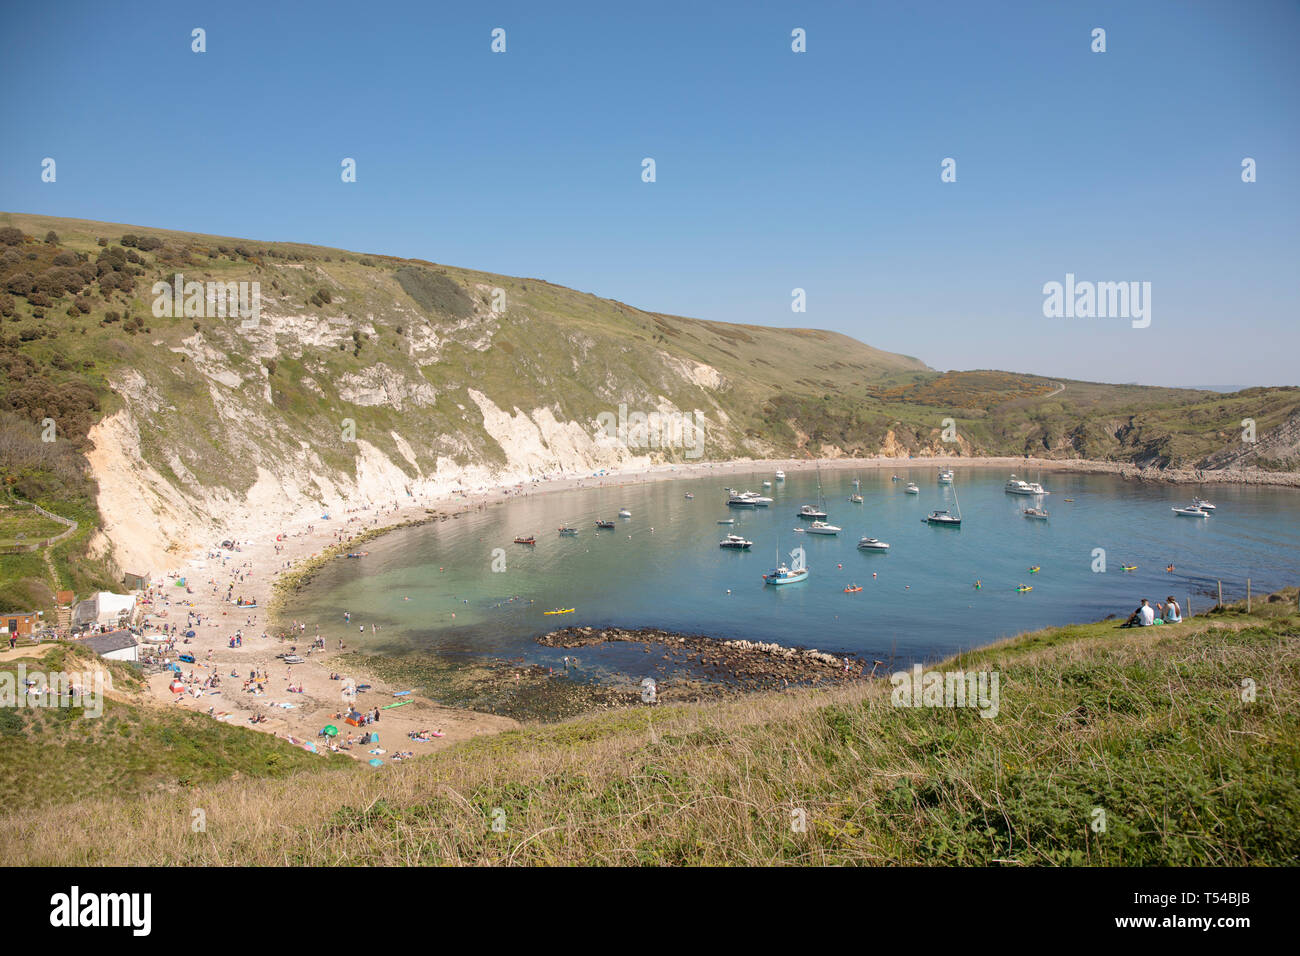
921,604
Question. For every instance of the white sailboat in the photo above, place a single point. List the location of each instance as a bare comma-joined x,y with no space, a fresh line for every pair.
818,513
945,518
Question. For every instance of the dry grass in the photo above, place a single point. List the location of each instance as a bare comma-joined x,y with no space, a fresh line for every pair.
1147,725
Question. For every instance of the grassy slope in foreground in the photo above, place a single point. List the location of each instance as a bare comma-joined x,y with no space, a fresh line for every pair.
1148,725
51,756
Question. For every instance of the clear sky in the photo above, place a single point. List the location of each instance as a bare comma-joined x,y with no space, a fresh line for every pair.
775,170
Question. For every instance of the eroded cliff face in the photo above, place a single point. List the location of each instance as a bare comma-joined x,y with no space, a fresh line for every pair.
162,495
152,519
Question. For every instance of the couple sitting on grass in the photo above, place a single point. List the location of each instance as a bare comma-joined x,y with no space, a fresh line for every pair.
1145,615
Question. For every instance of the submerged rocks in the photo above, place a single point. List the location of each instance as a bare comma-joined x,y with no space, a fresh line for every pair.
749,664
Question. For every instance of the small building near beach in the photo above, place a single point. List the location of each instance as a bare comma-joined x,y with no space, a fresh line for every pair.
18,623
112,645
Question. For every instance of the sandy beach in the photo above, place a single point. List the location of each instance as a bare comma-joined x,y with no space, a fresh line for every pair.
218,578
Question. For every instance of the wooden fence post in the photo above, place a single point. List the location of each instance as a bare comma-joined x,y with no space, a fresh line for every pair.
1220,604
1247,595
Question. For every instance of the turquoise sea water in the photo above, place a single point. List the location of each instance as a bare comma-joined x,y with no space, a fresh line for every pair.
920,604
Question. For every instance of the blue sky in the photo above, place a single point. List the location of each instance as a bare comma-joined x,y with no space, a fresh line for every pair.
775,170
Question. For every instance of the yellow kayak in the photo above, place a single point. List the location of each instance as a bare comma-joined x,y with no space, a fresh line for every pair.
568,610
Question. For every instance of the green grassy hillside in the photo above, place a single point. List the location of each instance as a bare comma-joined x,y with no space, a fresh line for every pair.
1110,747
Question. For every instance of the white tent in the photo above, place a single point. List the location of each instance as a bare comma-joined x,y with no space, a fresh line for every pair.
112,606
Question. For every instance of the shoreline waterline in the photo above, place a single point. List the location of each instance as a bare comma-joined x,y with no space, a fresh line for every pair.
303,553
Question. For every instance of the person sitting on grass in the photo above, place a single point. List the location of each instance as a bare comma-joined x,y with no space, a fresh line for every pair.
1142,617
1170,611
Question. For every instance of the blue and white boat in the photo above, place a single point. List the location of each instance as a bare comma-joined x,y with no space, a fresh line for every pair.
784,575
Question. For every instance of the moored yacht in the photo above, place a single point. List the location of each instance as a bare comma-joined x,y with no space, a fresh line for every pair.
624,513
1191,511
945,477
912,489
735,542
1202,504
943,517
780,476
1016,486
821,527
872,544
812,512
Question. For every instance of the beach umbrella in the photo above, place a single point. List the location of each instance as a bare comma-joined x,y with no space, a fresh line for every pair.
376,762
329,730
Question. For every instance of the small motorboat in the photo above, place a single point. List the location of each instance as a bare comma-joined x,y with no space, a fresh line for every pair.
727,521
783,575
872,544
1190,512
943,517
1202,504
624,513
531,539
945,477
568,530
912,489
689,496
735,542
1038,513
780,476
855,498
821,527
767,484
812,513
602,523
